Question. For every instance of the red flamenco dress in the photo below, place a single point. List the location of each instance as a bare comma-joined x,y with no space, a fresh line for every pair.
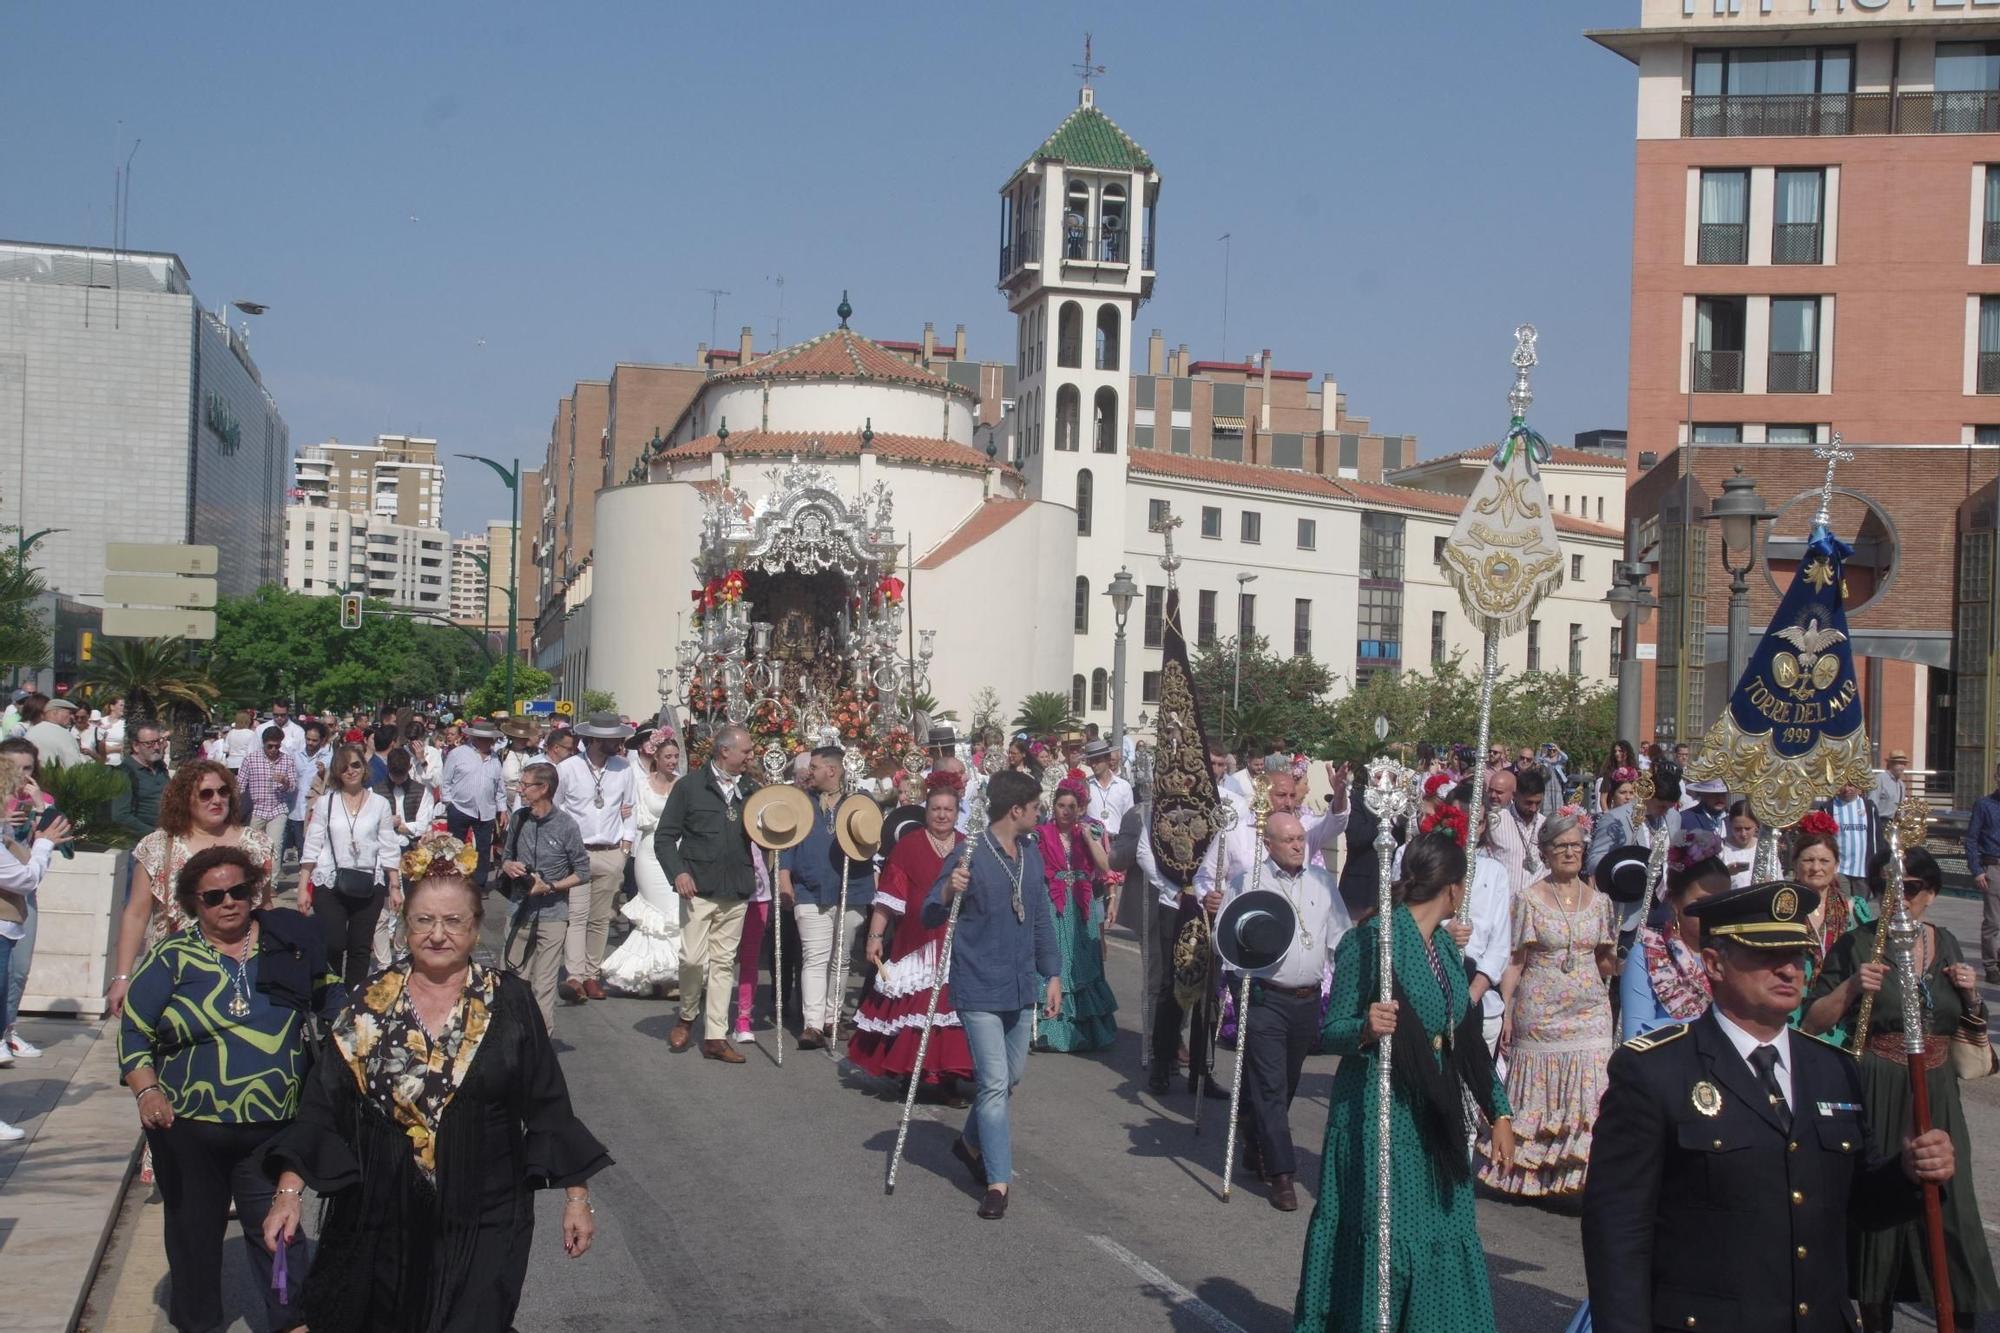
890,1021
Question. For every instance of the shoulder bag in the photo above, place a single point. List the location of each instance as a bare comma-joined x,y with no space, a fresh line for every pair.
348,881
515,887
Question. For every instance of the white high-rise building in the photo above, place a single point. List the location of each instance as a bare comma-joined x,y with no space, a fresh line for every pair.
468,579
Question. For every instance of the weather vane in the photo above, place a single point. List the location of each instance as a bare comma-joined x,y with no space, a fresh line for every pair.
1834,456
1087,70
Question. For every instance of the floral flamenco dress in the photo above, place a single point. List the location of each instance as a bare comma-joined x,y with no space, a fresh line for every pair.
1086,1022
890,1021
1562,1042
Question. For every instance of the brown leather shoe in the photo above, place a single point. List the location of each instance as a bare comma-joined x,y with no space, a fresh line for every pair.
723,1051
573,992
994,1206
677,1040
594,990
811,1039
1283,1197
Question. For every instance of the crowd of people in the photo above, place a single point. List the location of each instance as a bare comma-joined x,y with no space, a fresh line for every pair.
307,896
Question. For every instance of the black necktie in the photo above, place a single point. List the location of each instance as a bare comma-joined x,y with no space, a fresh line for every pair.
1765,1061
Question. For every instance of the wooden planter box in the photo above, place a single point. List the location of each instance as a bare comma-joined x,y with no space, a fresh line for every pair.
79,904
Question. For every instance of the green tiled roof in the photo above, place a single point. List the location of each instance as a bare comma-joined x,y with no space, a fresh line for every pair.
1089,138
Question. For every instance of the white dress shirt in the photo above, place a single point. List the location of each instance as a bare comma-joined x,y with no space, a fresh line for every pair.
1168,892
338,840
1239,847
1108,803
237,743
601,799
295,735
473,783
1322,916
311,767
1745,1043
23,877
1490,907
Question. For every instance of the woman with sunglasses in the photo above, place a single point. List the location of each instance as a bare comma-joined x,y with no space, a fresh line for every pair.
198,810
212,1045
348,869
437,1113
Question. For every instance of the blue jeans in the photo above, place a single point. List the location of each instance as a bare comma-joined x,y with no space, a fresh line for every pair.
999,1043
7,962
23,952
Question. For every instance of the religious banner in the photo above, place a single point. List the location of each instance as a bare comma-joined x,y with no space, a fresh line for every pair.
1184,795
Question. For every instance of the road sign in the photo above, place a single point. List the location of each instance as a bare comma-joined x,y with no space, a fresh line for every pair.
534,707
158,590
133,622
350,611
564,708
159,558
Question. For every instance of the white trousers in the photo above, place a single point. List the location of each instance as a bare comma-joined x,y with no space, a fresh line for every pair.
821,995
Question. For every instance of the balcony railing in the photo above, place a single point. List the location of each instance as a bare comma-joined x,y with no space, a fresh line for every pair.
1795,243
1096,245
1728,116
1989,250
1793,372
1722,243
1989,372
1024,249
1718,372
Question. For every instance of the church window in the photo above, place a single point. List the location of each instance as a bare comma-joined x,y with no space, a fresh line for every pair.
1076,695
1083,499
1100,689
1104,434
1076,221
1107,337
1068,407
1082,605
1111,225
1069,336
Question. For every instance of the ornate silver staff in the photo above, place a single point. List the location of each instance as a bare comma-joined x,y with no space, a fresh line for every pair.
1222,820
851,764
975,824
1502,557
1388,799
1656,853
1260,806
776,760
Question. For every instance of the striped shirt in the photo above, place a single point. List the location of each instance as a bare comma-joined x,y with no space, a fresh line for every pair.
1852,816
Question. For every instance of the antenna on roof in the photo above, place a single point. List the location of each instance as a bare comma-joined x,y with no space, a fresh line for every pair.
778,324
715,295
1087,71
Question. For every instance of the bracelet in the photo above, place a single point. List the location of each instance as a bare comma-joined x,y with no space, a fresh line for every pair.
875,939
282,1190
150,1087
123,976
567,1203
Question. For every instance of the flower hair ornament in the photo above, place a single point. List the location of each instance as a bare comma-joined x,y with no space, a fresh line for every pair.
1819,824
1438,782
943,779
1692,848
1621,775
439,854
1582,817
1449,819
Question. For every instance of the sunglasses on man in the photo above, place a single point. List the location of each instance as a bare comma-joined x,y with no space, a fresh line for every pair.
241,893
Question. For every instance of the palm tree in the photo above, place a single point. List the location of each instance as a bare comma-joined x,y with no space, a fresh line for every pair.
24,636
1255,723
1044,713
153,676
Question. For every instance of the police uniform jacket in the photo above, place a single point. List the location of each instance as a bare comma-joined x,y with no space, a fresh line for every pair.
1702,1212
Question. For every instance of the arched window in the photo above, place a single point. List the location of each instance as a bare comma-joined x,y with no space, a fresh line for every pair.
1111,226
1100,689
1107,337
1084,488
1069,336
1104,426
1076,221
1076,695
1069,406
1082,607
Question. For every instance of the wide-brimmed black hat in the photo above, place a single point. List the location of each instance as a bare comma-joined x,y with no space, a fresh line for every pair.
1621,875
903,819
1254,930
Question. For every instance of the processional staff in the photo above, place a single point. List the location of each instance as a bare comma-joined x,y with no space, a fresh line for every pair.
1260,807
1388,800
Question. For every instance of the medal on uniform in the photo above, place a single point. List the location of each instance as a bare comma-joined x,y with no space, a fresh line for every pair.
1707,1098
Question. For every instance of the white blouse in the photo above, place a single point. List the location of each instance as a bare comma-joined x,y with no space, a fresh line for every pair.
337,840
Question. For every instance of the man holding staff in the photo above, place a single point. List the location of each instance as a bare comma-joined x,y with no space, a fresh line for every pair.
705,851
810,878
1005,941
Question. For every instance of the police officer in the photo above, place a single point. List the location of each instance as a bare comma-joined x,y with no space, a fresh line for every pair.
1728,1150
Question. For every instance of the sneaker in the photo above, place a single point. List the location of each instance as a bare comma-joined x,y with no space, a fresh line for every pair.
6,1057
743,1035
11,1133
22,1047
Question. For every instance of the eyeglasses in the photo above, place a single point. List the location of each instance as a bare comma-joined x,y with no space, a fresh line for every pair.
455,924
1566,847
212,794
241,893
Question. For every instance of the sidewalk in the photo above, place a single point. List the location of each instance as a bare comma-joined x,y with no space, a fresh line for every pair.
60,1187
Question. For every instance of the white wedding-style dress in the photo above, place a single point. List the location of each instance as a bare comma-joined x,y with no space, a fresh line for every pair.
651,953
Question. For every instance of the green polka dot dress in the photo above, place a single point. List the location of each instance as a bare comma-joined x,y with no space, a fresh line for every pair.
1437,1268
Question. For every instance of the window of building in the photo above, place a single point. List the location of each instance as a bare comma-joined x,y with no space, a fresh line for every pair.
1204,631
1100,689
1084,489
1723,236
1534,645
1069,336
1796,216
1107,337
1717,432
1600,509
1576,650
1718,343
1149,687
1246,615
1989,344
1967,80
1180,439
1067,411
1253,527
1381,545
1156,615
1302,627
1437,549
1076,695
1791,434
1288,451
1308,534
1226,443
1082,605
1437,638
1576,568
1104,421
309,544
1211,522
1157,513
1794,364
1771,90
1379,628
1989,243
1986,434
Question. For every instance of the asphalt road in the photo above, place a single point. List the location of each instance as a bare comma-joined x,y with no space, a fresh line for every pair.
750,1197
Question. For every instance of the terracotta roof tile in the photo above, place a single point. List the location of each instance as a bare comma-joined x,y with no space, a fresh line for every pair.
982,523
904,448
1409,497
839,354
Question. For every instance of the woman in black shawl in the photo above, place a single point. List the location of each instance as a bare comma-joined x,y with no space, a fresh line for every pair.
437,1110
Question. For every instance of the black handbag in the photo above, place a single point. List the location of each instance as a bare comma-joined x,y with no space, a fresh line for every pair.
348,881
515,887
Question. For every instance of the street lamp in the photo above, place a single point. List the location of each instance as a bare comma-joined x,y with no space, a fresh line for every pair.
1631,601
1737,514
27,541
1242,581
512,480
1122,592
248,308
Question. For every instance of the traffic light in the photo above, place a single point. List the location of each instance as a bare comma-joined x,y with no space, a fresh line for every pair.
87,642
350,611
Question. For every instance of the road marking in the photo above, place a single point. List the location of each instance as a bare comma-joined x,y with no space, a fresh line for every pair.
1185,1301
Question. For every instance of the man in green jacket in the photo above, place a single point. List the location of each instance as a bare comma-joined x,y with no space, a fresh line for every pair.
137,807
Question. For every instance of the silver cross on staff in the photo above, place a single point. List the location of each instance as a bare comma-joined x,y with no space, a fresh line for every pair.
1165,527
1834,456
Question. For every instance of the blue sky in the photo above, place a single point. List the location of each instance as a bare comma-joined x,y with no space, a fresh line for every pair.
454,212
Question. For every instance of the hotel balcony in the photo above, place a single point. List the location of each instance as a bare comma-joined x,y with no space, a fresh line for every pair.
1795,243
1793,372
1722,243
1814,115
1718,371
1989,372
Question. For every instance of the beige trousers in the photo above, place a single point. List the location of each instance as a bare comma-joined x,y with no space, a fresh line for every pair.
821,995
534,953
711,931
590,914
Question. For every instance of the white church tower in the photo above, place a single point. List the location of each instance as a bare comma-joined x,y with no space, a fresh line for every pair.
1076,262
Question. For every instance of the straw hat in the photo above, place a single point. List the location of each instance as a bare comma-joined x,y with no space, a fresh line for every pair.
521,729
857,827
777,817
